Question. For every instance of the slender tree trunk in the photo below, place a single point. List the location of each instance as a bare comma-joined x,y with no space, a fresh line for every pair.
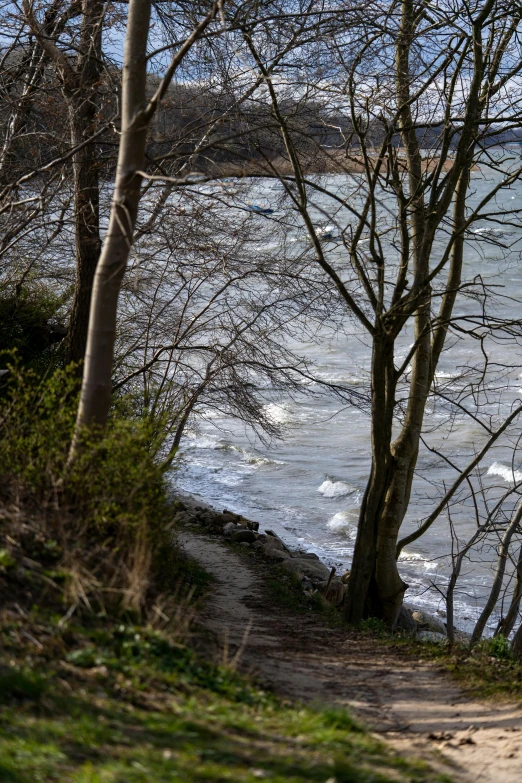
96,387
33,66
516,645
507,623
499,576
83,112
375,585
136,115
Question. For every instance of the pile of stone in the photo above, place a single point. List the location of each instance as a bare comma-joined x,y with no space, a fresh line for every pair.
306,566
426,627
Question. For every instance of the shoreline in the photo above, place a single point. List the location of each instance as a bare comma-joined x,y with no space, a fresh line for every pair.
336,162
316,577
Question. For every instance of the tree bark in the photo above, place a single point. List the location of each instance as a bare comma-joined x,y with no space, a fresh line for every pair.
83,112
362,599
96,386
499,576
507,623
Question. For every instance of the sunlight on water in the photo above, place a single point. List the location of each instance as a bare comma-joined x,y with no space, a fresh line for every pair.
309,486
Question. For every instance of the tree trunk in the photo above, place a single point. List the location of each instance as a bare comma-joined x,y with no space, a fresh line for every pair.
507,623
96,386
499,576
362,599
83,110
516,645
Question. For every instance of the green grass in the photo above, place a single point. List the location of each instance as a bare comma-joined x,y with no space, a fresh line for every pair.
487,671
118,703
285,589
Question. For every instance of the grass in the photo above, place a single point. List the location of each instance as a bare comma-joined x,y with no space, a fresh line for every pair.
285,589
487,671
95,701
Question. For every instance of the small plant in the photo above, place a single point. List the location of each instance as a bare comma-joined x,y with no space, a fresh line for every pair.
375,626
96,529
30,324
6,560
497,647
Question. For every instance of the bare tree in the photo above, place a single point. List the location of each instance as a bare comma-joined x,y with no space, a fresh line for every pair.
421,96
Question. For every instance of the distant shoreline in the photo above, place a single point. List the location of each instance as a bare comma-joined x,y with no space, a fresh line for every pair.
334,163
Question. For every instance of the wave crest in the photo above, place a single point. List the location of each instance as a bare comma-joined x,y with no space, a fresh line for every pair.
336,489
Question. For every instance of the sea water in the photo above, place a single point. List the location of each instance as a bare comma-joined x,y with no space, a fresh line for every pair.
308,486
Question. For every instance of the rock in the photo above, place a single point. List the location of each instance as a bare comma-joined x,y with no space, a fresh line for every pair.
275,543
405,621
431,636
345,577
276,537
306,555
245,544
313,569
275,554
278,555
243,536
462,637
229,518
428,622
249,524
335,593
231,528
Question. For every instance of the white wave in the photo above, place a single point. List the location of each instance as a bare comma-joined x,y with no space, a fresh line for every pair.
415,558
258,459
344,522
204,443
348,380
443,374
335,489
505,472
279,414
326,232
491,231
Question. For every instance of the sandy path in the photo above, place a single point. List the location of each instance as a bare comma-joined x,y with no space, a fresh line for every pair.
403,699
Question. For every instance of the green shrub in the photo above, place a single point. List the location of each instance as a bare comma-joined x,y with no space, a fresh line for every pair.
375,626
97,524
15,684
30,324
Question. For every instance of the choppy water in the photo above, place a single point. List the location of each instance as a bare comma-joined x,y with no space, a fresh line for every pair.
308,487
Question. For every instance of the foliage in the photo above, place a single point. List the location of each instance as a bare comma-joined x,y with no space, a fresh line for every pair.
29,324
96,525
487,670
375,626
497,647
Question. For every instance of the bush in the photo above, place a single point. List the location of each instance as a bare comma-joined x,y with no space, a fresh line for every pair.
95,526
30,324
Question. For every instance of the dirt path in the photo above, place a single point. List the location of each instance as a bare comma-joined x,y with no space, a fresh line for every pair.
405,700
